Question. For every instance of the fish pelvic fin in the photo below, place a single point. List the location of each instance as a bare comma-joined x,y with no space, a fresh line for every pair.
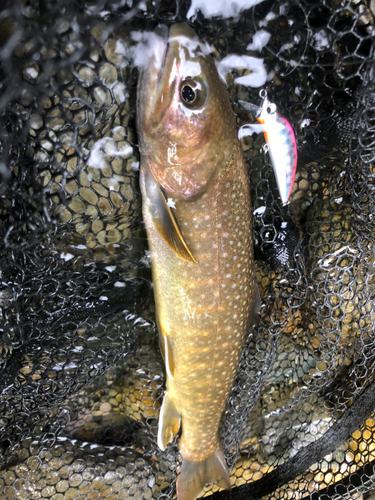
194,475
169,421
167,353
164,220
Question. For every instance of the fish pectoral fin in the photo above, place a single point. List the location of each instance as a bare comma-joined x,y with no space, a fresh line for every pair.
194,475
164,220
169,422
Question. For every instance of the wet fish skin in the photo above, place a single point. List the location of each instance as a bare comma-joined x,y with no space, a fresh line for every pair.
202,256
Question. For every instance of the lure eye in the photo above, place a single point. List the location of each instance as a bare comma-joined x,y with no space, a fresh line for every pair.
271,108
192,93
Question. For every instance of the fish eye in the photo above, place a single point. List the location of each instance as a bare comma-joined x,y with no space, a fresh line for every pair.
188,94
192,93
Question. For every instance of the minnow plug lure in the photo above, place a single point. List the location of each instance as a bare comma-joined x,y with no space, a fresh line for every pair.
281,143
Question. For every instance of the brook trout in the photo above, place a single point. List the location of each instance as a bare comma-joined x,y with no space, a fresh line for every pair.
196,207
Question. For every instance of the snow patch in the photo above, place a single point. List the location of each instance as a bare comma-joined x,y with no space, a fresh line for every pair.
220,8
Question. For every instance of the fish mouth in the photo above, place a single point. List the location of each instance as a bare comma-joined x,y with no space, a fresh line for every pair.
151,74
162,33
151,77
182,29
156,85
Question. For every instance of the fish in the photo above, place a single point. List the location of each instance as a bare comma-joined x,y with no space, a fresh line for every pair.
197,213
281,143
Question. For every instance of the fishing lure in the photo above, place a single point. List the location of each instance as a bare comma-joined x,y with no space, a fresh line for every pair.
281,143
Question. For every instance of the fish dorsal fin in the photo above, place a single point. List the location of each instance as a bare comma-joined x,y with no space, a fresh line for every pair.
164,221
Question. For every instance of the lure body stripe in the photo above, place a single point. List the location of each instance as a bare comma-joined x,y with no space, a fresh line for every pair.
281,143
282,149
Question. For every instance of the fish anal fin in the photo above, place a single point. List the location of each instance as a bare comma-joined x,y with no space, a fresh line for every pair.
169,421
195,475
164,220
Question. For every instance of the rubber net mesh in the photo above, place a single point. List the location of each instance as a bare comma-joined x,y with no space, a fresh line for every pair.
82,378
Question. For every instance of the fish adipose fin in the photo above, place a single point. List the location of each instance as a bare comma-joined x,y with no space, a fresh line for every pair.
164,221
194,475
169,422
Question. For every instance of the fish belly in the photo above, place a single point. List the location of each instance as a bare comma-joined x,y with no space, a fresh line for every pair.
204,308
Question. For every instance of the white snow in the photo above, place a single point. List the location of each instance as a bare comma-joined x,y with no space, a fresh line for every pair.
110,268
259,210
250,129
66,256
305,123
260,40
119,284
321,40
221,8
107,147
256,78
150,45
265,21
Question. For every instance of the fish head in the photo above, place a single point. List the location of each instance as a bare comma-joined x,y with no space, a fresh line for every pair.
186,125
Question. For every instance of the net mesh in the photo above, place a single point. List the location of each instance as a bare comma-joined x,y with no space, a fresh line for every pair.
82,378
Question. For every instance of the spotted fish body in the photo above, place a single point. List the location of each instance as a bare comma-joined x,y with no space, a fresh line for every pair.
281,142
202,257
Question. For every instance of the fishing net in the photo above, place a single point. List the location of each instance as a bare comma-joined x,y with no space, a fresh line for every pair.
82,378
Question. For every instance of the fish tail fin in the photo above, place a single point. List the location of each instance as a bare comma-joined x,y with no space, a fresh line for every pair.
194,475
169,421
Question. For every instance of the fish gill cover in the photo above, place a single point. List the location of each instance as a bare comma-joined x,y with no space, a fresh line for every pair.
82,378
